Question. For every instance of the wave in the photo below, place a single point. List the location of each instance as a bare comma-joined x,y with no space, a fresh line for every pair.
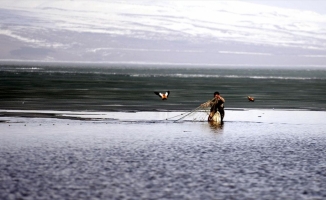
145,73
21,69
226,76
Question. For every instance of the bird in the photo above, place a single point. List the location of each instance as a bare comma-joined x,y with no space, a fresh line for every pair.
163,96
251,99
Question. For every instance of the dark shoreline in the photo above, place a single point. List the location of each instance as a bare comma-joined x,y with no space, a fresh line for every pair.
235,115
41,115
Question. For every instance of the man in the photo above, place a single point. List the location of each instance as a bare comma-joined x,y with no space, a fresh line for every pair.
217,104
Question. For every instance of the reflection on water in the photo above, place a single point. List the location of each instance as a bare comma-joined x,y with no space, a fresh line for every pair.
122,159
215,126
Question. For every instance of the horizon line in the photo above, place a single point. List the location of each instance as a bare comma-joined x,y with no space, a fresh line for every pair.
2,61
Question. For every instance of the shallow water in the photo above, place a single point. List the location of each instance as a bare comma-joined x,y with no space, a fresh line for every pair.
97,133
130,156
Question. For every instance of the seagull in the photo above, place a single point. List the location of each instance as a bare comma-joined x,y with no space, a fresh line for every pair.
251,98
163,96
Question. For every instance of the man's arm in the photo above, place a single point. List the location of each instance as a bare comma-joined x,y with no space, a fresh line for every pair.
222,99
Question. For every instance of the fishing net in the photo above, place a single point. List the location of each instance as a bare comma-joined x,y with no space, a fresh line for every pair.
199,114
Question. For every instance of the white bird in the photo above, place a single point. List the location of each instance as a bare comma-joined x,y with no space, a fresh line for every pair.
163,96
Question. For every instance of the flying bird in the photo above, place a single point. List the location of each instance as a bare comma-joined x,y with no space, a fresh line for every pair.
163,96
251,99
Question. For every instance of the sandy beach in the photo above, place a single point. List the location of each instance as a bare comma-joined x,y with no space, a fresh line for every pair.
255,154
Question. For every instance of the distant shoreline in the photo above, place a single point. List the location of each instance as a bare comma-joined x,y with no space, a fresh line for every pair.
150,64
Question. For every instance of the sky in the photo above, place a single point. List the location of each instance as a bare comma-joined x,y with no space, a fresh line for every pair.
318,6
220,32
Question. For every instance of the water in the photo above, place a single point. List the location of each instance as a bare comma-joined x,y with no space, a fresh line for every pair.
101,133
131,88
43,158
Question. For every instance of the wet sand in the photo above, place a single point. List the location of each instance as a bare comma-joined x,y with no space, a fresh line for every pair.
255,154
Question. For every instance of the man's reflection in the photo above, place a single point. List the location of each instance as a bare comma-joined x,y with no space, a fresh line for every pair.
216,126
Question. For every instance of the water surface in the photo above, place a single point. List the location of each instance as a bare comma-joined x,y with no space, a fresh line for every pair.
130,88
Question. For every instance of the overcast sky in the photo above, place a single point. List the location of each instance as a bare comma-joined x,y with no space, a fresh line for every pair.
318,6
242,33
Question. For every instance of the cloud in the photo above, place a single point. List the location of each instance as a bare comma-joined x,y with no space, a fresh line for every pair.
19,37
315,56
160,31
28,51
246,53
220,20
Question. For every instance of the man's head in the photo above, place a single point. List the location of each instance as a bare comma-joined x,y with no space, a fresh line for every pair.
216,93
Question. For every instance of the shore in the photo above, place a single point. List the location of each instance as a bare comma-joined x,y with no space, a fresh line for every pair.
254,154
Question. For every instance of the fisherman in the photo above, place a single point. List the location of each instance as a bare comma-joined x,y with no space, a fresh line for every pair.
217,104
